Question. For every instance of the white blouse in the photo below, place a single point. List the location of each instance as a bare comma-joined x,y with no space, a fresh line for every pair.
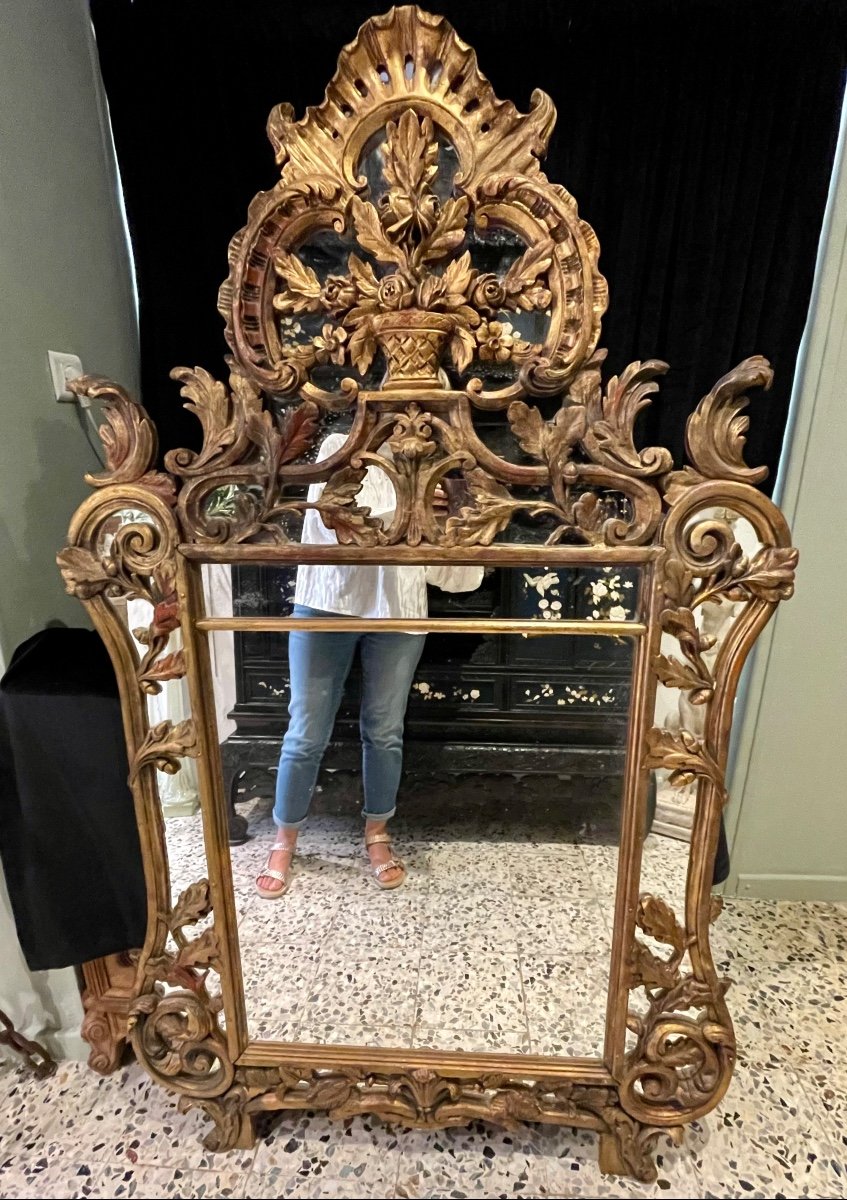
370,591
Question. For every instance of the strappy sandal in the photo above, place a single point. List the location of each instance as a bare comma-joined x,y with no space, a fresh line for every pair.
274,893
381,868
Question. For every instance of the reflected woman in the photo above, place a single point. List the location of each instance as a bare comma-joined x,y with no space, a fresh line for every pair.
319,664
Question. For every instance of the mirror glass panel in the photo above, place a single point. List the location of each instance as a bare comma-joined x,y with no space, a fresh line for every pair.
507,821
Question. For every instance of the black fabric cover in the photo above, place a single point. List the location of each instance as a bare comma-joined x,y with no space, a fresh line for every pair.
696,135
68,838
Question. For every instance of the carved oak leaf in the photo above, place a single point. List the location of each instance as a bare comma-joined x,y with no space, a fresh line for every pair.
519,281
492,511
330,1092
85,574
609,438
163,747
371,236
656,918
303,286
550,441
567,429
339,510
529,428
768,576
681,624
202,951
684,756
714,434
673,673
648,970
678,584
171,666
193,904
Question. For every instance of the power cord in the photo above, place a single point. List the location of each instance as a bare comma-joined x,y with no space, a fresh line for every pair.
84,424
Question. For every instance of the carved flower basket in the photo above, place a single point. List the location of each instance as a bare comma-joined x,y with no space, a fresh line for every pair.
412,342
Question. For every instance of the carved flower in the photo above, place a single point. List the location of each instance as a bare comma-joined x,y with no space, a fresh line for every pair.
495,341
339,293
394,292
489,293
329,346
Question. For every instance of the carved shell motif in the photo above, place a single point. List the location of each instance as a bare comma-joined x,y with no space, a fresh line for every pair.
412,225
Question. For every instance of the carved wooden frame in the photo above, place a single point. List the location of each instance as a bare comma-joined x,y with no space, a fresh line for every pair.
412,298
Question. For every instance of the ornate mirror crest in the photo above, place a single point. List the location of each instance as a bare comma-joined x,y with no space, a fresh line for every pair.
412,269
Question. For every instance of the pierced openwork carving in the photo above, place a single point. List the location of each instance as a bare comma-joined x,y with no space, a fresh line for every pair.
412,269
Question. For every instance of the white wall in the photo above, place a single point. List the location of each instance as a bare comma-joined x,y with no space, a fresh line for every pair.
65,284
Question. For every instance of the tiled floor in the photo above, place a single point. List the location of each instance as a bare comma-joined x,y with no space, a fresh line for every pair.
779,1132
515,936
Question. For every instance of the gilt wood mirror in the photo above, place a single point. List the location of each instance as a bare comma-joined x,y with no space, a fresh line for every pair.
413,302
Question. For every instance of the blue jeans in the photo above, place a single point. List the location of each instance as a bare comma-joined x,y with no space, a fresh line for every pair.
319,664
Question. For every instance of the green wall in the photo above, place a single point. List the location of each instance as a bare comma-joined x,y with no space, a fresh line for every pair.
65,284
788,820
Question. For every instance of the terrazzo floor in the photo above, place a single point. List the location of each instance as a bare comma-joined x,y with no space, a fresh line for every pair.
352,959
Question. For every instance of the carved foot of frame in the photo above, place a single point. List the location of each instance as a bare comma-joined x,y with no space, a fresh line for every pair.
234,1128
627,1149
107,1038
108,996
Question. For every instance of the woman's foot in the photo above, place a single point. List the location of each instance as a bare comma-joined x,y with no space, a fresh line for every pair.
380,854
268,885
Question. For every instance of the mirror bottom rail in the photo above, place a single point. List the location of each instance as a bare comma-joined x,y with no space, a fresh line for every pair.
430,1090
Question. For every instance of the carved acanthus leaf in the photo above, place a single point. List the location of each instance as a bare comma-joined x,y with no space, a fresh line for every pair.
129,439
611,421
223,414
492,510
675,485
714,435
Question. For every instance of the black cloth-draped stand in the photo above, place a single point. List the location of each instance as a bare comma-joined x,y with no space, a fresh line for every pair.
68,838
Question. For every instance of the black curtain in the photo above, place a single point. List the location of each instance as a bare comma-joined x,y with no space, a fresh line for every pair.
697,135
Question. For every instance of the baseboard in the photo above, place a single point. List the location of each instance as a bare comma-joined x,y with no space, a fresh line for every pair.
789,887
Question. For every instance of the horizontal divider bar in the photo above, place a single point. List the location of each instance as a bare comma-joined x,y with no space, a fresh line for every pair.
428,625
500,554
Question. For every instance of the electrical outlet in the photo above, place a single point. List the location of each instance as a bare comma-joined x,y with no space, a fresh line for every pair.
63,368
